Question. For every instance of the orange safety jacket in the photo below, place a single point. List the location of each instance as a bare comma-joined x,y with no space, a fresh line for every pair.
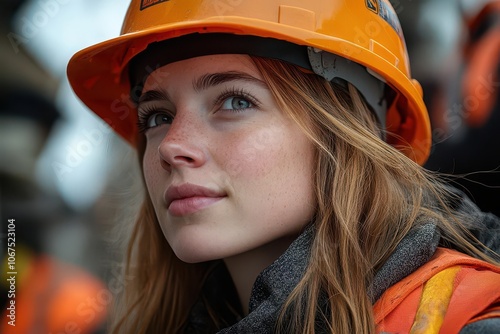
444,295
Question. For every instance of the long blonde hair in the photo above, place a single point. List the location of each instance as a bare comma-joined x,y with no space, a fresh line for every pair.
368,194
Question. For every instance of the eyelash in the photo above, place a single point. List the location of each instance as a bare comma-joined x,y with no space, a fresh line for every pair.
143,116
145,113
236,92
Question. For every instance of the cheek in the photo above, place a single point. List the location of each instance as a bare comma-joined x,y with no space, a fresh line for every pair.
273,166
253,154
152,169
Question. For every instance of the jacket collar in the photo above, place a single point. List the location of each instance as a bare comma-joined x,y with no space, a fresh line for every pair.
273,286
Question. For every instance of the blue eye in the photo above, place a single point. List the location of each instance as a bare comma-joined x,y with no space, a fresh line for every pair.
236,103
158,119
150,118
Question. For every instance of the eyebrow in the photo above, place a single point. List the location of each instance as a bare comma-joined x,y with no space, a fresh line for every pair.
213,79
204,82
153,95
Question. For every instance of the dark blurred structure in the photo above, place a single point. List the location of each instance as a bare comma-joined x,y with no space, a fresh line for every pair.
461,91
48,296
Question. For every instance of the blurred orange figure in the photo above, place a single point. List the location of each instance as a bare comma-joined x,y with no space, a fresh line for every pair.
52,297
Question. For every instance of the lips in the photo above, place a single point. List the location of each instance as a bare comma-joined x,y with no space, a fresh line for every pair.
189,198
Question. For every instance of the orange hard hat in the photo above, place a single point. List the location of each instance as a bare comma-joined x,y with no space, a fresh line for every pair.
357,41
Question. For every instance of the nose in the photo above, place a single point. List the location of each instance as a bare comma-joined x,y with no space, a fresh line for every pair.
183,145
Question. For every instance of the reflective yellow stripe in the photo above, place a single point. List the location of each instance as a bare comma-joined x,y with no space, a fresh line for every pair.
434,302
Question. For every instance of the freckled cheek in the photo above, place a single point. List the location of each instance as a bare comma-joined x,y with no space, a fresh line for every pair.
152,169
254,155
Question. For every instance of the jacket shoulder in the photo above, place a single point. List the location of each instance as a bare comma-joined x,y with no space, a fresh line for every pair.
449,291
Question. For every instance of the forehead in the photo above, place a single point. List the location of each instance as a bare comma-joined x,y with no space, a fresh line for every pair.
186,70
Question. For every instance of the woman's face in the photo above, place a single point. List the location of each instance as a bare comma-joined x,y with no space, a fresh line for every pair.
227,171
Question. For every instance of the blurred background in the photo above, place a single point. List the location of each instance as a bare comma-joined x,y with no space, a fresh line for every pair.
63,173
70,183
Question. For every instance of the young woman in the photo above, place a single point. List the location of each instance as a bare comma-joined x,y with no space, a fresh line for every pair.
280,145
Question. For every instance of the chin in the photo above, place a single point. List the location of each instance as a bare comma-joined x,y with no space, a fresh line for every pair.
195,256
194,251
204,250
190,257
195,243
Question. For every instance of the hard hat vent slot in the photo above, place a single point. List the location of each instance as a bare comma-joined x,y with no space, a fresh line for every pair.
297,17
